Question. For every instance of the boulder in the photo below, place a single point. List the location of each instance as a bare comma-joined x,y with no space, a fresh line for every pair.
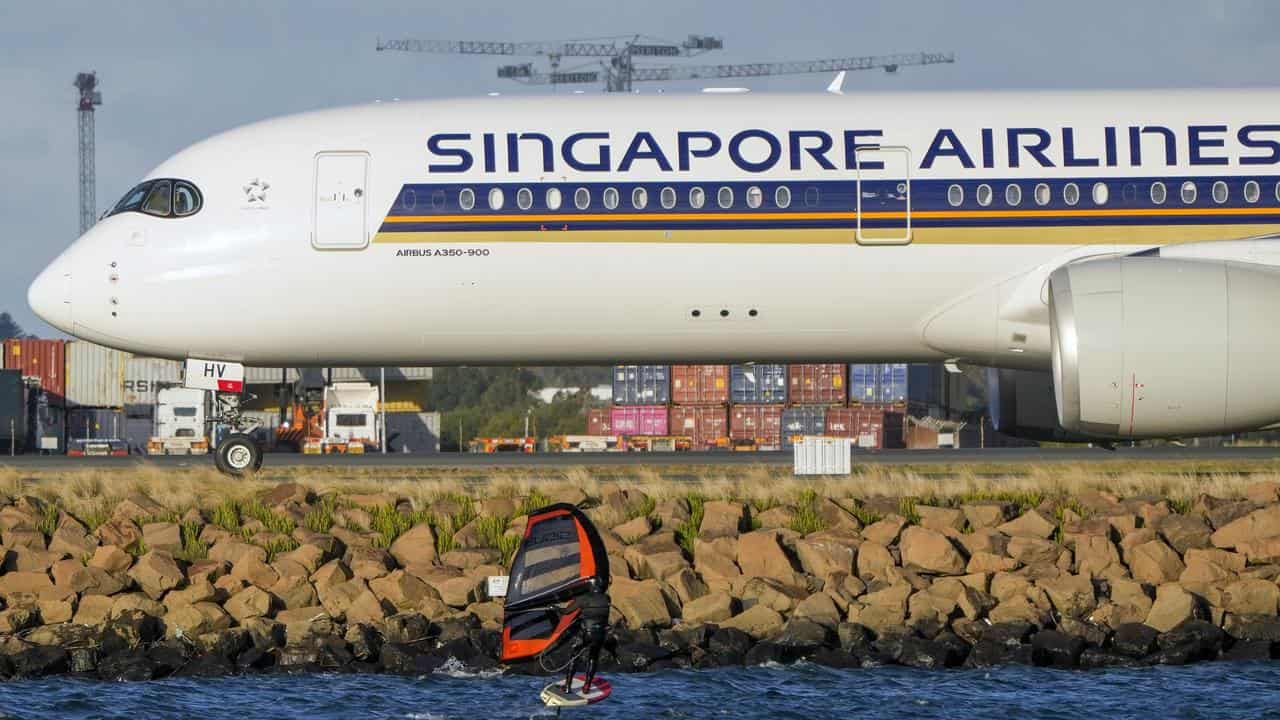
687,585
369,562
985,515
331,573
111,558
93,610
337,598
17,583
672,512
777,595
249,603
157,573
874,560
710,608
759,622
1253,627
26,559
941,519
1155,563
415,545
407,592
1031,524
1097,556
469,559
294,592
1072,595
985,562
1257,525
135,602
255,571
985,540
1173,606
804,635
94,581
234,551
309,557
1056,649
1251,597
760,554
459,592
722,518
819,608
780,516
18,619
885,530
640,602
71,539
366,608
197,619
1260,552
930,551
634,530
165,536
1184,532
820,556
1033,550
56,611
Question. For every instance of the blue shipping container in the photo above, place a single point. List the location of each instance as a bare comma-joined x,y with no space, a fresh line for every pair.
863,387
893,382
758,384
641,384
801,421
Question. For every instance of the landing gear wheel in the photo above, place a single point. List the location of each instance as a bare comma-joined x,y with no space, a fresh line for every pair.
238,455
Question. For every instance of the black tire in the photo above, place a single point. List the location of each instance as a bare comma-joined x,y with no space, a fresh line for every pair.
238,455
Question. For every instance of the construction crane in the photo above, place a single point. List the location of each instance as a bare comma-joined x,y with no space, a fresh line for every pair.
87,84
618,52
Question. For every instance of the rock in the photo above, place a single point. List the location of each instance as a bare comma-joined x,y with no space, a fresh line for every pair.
985,515
711,608
286,493
777,517
157,573
761,555
712,560
469,559
769,592
407,592
93,610
1056,649
1196,639
40,661
941,519
1097,556
1072,595
1031,524
672,512
165,536
1184,532
1173,606
1135,640
1155,563
729,645
759,622
819,608
984,540
309,557
820,556
459,592
874,560
1251,597
249,603
416,545
255,571
93,581
640,603
835,518
1093,634
722,518
687,585
804,635
16,583
1253,627
1019,608
1033,550
26,559
985,562
1257,525
634,530
294,592
366,608
71,539
197,619
17,619
234,552
885,531
199,590
210,570
331,573
127,602
930,551
56,611
338,598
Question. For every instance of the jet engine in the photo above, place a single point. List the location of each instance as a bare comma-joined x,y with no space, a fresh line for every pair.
1021,405
1150,347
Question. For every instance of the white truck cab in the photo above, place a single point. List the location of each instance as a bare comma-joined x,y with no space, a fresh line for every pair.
181,423
351,417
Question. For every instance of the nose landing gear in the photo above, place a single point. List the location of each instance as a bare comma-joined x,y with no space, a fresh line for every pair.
237,454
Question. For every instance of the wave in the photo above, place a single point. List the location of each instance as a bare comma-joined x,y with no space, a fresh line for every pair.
455,668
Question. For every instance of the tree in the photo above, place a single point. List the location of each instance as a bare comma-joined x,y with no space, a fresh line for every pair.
9,327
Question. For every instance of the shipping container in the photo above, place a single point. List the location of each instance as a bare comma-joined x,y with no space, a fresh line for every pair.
706,425
44,359
758,384
761,424
864,386
46,424
138,431
700,384
85,423
13,412
884,383
817,384
875,428
95,375
925,385
799,421
627,420
893,383
144,377
599,421
641,385
413,432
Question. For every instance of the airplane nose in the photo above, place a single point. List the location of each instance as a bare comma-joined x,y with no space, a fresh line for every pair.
50,296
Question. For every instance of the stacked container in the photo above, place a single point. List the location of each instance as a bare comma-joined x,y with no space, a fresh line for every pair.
13,412
43,359
706,425
599,421
817,384
700,384
760,424
627,420
641,385
800,421
758,384
870,426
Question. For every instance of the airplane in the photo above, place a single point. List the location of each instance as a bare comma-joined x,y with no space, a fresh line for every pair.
1115,253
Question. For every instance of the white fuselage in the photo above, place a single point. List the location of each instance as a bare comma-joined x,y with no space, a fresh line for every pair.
343,237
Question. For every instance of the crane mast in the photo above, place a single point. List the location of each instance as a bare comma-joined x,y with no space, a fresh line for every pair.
87,84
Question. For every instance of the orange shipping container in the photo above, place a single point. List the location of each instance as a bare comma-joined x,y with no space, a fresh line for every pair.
599,421
870,426
761,423
700,384
705,424
817,384
45,359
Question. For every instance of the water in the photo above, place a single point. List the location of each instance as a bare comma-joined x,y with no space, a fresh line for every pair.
1209,690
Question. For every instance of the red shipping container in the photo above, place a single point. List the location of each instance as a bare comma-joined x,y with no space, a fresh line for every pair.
45,359
628,420
599,421
870,427
817,384
842,421
705,424
761,423
700,384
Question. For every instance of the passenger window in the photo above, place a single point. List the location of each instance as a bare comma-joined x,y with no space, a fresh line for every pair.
724,198
524,198
755,197
639,198
467,198
984,195
782,196
553,198
955,196
437,199
1043,194
186,200
611,198
1252,191
496,199
1071,194
1100,193
582,198
1188,192
1129,193
1220,192
812,198
697,198
160,199
668,197
1158,193
1013,195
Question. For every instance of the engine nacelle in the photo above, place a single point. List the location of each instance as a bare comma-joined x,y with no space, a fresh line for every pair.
1021,404
1151,347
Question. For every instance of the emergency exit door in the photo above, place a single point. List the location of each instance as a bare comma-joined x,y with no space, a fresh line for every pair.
341,201
884,195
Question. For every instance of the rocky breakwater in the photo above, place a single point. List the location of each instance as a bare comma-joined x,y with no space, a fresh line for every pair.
291,581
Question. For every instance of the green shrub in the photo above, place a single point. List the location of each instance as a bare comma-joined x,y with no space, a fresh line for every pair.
389,524
688,530
865,515
279,544
269,518
806,518
48,521
491,530
507,545
193,548
535,500
227,516
319,519
642,509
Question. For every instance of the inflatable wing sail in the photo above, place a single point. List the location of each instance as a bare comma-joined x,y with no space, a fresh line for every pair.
560,558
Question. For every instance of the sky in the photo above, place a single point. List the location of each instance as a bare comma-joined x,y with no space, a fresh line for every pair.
174,72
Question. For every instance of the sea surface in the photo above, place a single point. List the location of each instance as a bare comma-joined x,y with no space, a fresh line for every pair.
1209,690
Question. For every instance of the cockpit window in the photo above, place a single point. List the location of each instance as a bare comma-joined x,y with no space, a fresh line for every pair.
161,198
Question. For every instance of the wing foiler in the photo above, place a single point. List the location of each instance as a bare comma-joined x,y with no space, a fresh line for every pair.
558,592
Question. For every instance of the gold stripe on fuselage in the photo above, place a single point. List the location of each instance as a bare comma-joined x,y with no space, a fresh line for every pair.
1047,235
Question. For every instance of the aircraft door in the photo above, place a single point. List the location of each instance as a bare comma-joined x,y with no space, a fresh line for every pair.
341,201
884,195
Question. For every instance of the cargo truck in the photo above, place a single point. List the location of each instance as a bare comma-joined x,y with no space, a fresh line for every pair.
181,423
350,419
